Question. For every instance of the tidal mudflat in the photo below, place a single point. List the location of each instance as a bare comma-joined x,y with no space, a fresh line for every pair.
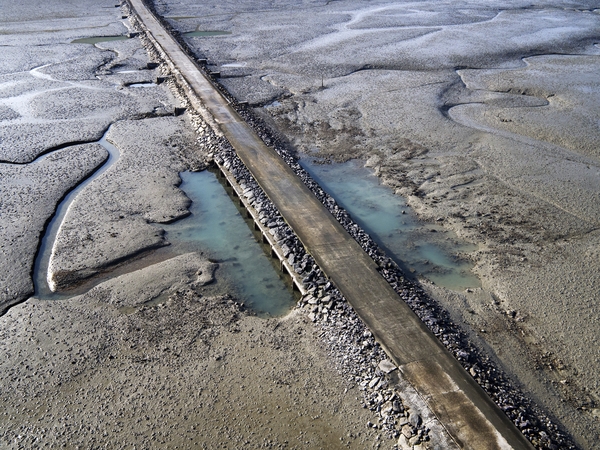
483,116
158,353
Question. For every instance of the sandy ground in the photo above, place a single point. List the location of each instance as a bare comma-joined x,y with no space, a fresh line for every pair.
159,356
485,118
189,370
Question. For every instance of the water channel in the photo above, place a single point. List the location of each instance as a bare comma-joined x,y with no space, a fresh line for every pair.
97,39
42,260
422,249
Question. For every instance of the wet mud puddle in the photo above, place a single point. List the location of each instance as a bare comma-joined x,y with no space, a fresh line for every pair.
419,248
98,39
217,228
209,33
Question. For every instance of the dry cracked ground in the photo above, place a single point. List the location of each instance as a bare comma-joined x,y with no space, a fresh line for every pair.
159,356
485,117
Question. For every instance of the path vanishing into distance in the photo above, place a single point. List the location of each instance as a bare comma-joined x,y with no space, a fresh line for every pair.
463,408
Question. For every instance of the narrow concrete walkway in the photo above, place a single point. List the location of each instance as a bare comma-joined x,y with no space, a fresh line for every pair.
463,408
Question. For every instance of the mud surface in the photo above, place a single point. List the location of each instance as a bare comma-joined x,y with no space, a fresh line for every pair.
30,193
115,217
482,116
187,370
160,356
54,97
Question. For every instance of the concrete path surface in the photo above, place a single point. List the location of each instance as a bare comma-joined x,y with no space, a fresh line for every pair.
467,413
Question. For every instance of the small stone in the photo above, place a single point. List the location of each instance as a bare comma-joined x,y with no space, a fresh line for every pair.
311,300
387,409
373,382
386,366
407,431
403,443
414,419
414,441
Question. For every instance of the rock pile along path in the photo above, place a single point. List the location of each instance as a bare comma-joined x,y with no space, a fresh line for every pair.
467,413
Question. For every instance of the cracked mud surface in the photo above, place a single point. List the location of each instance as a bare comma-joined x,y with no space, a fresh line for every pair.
482,115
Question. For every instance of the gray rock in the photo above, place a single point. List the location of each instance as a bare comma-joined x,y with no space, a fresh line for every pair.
374,382
414,419
407,431
414,440
403,443
386,366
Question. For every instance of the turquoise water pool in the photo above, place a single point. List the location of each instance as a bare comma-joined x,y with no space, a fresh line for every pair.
420,248
217,228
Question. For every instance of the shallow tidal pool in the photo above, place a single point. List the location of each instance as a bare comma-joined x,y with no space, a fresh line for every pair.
216,227
420,248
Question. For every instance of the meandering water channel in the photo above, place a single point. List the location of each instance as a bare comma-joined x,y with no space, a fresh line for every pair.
42,260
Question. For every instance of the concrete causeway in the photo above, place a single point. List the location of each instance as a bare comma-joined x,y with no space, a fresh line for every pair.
463,408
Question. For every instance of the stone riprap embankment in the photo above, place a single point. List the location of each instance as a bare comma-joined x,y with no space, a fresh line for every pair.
522,422
346,335
343,333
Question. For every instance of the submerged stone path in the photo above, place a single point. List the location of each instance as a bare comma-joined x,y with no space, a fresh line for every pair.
463,408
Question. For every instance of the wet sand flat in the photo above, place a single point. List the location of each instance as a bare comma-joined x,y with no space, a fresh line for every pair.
189,371
482,117
160,356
